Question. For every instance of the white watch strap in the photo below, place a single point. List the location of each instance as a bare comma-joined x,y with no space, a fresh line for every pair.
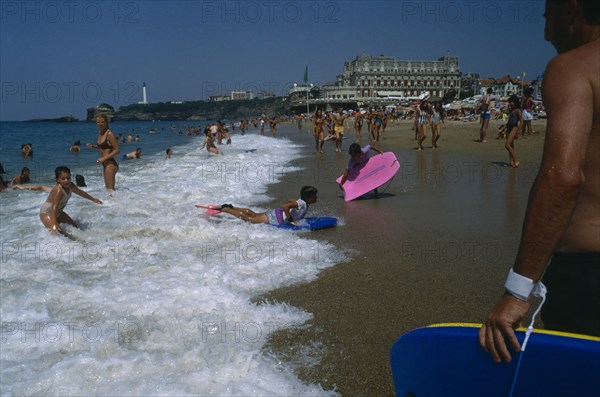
519,286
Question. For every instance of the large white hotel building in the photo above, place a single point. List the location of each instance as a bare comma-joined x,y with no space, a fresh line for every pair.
370,78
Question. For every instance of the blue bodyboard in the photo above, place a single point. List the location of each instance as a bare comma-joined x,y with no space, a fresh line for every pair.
447,360
324,222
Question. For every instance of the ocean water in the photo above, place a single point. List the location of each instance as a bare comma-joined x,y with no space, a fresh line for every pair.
153,297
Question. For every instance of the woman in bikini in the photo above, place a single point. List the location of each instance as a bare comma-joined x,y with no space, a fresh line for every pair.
437,119
109,149
318,131
515,118
358,123
422,119
527,107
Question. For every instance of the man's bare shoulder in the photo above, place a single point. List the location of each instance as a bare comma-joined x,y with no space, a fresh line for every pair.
573,75
580,63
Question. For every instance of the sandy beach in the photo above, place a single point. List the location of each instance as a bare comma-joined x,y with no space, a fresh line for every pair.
434,247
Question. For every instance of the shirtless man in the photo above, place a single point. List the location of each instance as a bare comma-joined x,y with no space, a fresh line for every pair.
562,223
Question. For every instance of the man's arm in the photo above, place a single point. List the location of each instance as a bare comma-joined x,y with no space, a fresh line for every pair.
568,98
570,105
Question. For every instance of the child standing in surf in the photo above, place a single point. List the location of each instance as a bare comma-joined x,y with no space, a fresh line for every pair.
209,143
51,213
291,212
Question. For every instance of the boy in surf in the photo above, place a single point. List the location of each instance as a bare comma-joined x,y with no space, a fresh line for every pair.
293,211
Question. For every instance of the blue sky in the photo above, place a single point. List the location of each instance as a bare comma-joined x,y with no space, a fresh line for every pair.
58,58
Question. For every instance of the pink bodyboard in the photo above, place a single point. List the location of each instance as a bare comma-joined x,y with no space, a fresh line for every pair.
370,175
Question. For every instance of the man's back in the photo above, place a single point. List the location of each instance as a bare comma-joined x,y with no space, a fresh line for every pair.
572,99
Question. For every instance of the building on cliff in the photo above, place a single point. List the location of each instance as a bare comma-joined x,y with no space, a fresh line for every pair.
103,108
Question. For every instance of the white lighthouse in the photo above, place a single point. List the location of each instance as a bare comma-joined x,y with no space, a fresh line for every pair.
144,96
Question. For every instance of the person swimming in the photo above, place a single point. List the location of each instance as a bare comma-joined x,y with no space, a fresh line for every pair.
136,154
76,147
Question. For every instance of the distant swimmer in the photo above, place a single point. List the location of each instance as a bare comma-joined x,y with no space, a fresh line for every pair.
27,150
291,212
75,147
23,177
52,212
169,153
80,180
136,154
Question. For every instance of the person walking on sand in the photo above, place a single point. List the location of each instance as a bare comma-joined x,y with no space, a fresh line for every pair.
109,148
515,119
560,242
52,212
358,123
318,131
422,118
338,129
527,107
484,109
377,124
437,119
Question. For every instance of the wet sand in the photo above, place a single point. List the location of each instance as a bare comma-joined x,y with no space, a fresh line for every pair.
434,247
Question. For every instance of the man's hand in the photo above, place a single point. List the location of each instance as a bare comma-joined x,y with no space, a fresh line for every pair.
499,326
